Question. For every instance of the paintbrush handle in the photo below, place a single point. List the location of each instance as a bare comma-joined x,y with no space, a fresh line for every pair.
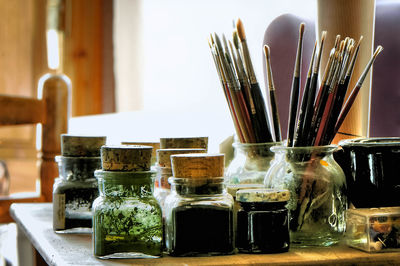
302,112
318,112
347,107
306,126
275,116
245,116
260,123
294,100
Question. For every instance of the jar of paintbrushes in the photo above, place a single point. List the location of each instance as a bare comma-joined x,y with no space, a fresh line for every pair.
318,193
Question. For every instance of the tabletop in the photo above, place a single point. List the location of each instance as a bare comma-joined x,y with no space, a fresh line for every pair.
35,220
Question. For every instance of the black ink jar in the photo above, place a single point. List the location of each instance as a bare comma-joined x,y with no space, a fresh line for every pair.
262,221
199,211
76,187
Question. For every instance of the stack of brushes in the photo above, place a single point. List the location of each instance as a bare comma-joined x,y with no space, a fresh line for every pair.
242,92
321,112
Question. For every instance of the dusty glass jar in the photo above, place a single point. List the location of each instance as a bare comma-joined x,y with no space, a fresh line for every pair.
127,220
262,221
250,163
199,218
318,193
73,194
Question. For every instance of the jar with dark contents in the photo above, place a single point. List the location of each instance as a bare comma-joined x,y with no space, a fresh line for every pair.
76,187
199,211
262,221
164,171
127,219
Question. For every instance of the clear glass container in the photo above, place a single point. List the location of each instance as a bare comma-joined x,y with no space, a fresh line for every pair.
318,193
161,186
374,229
73,194
199,218
127,219
250,163
262,221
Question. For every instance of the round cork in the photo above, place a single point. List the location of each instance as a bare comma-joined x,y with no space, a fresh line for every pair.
81,146
198,165
126,158
193,142
155,145
164,155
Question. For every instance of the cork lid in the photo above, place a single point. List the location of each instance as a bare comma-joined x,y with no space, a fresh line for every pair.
198,165
155,145
263,195
81,146
126,158
233,188
192,142
164,155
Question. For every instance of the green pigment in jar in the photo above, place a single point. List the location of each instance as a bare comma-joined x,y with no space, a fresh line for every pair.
127,219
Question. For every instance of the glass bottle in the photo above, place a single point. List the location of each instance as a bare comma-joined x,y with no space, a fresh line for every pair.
250,163
164,171
262,221
199,217
126,217
76,187
318,193
199,211
73,194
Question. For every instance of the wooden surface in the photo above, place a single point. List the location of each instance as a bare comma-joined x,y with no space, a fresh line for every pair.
350,18
35,220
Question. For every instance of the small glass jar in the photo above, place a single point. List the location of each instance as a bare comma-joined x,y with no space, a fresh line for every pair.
73,194
199,218
318,193
250,163
262,221
127,220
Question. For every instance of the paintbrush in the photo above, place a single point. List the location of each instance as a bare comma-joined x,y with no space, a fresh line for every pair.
272,96
299,129
232,86
228,98
295,92
260,125
311,95
322,97
352,97
341,91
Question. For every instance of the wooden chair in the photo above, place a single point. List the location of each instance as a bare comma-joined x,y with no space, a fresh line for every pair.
51,110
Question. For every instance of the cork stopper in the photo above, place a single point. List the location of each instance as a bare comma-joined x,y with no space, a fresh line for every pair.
126,158
164,155
194,142
155,145
263,195
81,146
198,165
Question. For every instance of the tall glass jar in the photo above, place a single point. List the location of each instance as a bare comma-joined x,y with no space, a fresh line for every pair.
318,193
199,217
250,163
127,220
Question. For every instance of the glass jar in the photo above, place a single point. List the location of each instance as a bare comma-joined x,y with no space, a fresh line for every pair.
250,163
262,221
199,218
73,194
318,193
127,220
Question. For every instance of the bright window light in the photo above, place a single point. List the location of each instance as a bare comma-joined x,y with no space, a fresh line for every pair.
53,58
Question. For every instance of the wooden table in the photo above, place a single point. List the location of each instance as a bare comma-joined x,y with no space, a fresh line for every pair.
35,221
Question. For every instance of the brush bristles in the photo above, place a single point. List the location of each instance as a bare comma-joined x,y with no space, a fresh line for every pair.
240,30
266,52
